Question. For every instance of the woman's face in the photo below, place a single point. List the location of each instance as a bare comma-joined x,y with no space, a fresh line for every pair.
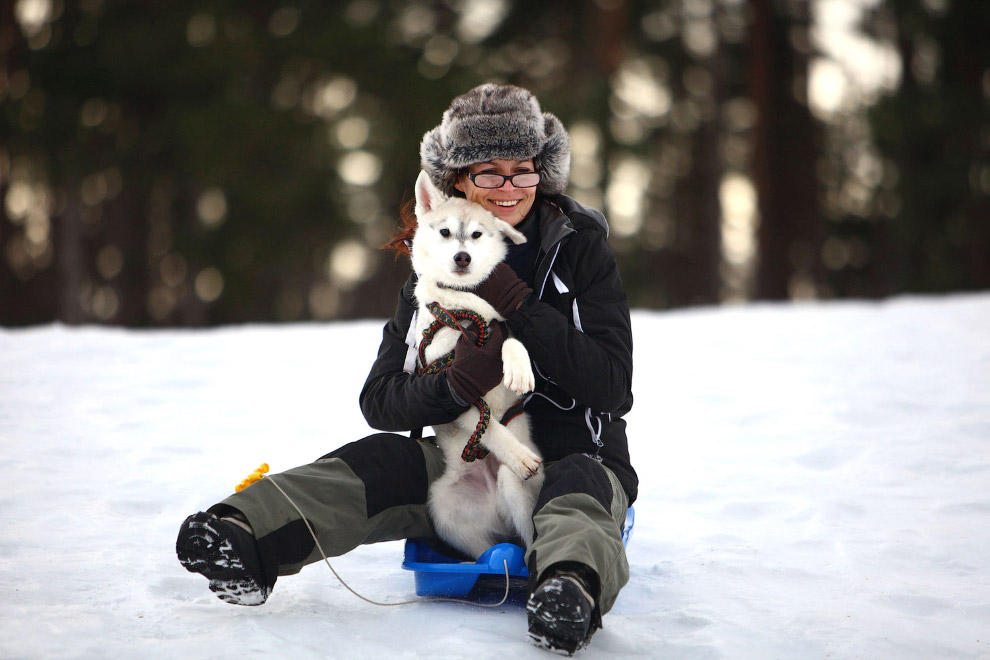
506,202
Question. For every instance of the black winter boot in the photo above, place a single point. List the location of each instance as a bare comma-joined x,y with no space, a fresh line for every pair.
561,612
226,554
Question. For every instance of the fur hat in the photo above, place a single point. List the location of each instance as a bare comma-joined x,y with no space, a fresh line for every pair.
496,121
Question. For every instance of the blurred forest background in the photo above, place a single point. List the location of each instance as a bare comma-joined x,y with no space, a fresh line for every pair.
201,162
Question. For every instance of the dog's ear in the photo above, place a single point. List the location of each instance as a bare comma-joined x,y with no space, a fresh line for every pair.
509,231
428,196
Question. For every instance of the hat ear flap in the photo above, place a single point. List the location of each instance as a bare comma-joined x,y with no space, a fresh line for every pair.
428,196
555,156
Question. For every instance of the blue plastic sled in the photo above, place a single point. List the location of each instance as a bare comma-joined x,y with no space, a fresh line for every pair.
440,576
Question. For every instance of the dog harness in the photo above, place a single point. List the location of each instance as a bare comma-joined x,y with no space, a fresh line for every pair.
442,318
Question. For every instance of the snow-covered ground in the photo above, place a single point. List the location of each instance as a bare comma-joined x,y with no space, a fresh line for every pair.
815,484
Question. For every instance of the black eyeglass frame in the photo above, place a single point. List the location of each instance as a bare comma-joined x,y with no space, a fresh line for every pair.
505,177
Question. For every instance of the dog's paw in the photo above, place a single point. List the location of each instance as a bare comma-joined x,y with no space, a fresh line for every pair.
516,368
524,462
519,383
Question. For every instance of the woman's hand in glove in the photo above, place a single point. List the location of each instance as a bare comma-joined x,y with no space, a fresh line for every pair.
503,290
476,369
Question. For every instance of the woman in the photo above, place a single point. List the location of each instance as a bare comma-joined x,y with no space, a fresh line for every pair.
561,295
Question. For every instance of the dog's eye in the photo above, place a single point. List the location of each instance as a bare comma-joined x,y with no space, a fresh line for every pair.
476,235
445,232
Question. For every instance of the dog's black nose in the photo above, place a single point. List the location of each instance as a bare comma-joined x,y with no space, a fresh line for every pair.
462,259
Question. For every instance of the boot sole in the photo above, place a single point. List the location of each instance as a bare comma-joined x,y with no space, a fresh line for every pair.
555,623
204,547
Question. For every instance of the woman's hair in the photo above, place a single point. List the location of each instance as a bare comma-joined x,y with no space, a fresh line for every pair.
401,240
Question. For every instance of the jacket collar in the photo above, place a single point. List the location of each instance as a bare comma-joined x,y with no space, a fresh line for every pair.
554,225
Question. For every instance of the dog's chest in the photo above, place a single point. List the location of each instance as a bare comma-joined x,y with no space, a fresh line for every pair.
451,306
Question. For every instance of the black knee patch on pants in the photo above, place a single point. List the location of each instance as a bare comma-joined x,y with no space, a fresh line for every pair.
392,468
576,474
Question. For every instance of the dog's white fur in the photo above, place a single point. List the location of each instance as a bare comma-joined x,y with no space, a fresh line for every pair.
474,504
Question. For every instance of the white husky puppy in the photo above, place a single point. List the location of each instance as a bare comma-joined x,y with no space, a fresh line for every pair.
489,500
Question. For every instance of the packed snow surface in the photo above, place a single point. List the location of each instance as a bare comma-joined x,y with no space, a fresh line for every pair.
815,484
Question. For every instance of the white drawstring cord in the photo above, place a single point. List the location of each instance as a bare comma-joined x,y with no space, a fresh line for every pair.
319,547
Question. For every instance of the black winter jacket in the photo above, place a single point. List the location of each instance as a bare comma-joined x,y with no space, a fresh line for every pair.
577,331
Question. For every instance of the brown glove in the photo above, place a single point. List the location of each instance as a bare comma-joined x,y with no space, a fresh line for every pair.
503,290
476,369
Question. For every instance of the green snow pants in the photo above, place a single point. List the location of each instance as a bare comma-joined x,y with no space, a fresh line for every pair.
376,490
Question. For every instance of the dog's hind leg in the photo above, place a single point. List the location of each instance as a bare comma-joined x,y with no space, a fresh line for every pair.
517,499
462,518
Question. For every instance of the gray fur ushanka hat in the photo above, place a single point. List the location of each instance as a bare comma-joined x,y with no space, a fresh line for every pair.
496,121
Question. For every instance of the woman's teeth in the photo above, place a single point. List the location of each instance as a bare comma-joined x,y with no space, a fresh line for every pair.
511,202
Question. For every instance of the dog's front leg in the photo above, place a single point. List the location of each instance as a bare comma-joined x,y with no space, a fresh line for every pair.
510,452
516,367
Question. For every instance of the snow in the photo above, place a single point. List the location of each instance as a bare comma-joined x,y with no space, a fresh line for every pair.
815,484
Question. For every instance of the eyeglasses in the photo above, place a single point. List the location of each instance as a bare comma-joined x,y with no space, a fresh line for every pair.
520,180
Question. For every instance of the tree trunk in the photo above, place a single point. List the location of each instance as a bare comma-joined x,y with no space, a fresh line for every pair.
784,156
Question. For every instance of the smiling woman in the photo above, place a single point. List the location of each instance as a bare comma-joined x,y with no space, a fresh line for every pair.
560,294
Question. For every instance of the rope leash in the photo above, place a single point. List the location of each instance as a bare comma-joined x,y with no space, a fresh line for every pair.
473,450
319,547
